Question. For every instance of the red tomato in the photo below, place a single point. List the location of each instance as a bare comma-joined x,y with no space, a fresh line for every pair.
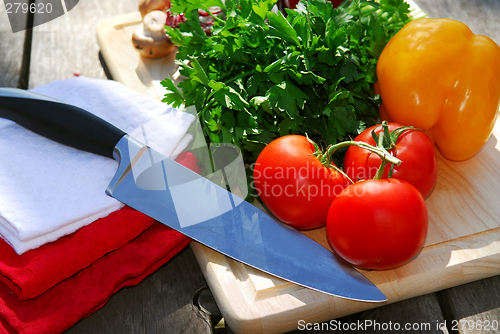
413,148
293,184
188,159
378,224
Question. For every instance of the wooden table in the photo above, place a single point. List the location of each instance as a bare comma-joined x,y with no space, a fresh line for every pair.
176,299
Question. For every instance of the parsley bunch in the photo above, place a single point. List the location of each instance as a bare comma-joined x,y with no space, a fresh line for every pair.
261,74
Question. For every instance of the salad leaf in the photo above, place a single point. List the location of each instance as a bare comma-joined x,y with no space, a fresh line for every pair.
261,73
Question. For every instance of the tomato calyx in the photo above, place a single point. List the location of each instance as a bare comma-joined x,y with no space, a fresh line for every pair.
387,140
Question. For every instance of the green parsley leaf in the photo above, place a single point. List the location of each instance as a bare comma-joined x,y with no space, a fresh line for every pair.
261,74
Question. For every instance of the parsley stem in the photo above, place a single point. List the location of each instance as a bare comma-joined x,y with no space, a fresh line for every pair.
205,108
395,25
239,76
205,8
209,98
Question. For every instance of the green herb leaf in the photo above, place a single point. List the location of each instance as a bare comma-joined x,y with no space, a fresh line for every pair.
262,7
281,28
259,75
173,96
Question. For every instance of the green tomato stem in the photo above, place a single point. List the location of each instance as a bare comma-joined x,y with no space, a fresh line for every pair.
325,159
341,172
380,171
380,151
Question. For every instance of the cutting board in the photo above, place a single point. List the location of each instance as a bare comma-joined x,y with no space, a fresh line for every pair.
463,242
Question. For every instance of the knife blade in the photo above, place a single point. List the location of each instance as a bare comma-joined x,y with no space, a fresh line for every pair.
189,203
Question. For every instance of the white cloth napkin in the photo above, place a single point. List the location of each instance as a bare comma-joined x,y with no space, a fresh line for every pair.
48,190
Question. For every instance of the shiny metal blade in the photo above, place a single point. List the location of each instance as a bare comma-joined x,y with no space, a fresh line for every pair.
213,216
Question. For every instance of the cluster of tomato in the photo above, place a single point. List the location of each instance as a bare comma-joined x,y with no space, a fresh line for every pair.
372,220
374,211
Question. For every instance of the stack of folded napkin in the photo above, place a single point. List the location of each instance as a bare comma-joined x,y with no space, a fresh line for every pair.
65,245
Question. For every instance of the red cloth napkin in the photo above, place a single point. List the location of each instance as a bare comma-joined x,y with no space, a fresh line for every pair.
49,289
85,292
34,272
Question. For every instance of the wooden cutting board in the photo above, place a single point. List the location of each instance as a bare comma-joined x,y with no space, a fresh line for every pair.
463,242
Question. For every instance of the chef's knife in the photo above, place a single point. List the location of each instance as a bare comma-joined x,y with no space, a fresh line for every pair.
174,195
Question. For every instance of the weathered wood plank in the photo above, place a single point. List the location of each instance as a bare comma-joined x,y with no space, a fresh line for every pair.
11,50
416,315
473,308
480,15
68,45
162,303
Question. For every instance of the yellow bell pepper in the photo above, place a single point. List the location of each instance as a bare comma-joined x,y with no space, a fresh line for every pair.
437,75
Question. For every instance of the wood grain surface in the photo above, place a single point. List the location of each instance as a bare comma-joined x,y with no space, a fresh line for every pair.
473,308
11,61
144,75
480,15
162,303
416,315
461,247
68,45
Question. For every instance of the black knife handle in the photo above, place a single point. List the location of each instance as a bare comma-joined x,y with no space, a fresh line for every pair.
59,121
